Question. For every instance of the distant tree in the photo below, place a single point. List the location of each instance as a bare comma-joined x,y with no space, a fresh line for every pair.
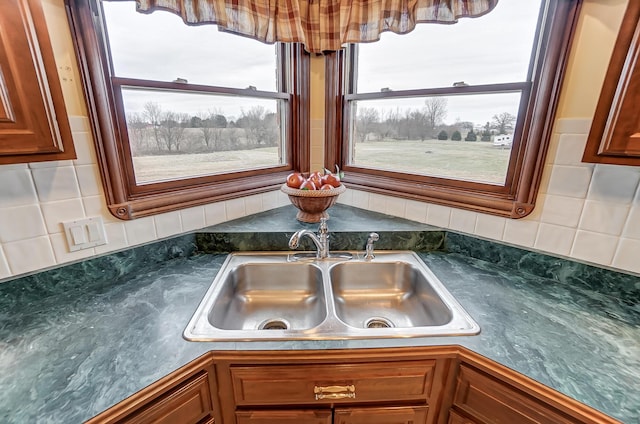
153,114
172,129
435,110
443,135
254,125
471,136
366,120
486,133
456,136
503,122
136,127
211,127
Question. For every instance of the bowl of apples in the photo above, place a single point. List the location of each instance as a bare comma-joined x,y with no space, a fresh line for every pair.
313,194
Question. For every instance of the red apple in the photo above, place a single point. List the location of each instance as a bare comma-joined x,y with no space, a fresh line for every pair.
307,185
294,180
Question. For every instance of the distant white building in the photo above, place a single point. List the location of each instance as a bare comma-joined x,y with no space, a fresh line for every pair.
503,140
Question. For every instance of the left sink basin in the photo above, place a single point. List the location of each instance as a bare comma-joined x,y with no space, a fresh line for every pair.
270,296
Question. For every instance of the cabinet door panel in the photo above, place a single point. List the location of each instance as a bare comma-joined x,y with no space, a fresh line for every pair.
458,419
615,132
284,417
492,401
33,119
188,403
400,415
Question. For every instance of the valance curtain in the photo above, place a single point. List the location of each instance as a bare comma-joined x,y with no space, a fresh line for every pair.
321,25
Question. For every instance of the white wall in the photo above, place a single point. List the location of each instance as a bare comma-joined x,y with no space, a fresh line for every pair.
584,212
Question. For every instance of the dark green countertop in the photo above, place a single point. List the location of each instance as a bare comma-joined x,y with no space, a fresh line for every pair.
70,349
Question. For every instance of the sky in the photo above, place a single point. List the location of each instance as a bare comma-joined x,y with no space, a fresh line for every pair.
159,46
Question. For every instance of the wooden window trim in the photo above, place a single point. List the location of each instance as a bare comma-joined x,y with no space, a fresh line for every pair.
128,200
517,197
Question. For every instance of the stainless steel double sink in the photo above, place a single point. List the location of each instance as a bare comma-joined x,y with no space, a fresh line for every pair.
269,296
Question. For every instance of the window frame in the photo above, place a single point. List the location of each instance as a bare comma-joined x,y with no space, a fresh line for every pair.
127,199
516,198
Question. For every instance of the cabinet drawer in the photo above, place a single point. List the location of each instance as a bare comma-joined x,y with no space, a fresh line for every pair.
332,383
399,415
300,416
190,402
492,401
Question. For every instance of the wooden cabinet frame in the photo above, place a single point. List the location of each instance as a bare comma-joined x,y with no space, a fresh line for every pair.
615,132
34,126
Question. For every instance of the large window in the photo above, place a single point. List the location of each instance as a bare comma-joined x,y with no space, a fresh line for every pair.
454,114
186,115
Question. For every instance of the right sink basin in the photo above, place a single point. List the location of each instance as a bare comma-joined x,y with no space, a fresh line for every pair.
386,295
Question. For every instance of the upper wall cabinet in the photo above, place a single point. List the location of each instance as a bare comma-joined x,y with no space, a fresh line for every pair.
33,120
615,132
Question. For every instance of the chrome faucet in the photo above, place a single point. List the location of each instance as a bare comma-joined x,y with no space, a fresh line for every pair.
321,240
373,237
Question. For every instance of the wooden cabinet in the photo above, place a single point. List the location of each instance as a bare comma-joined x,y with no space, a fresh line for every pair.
484,392
422,385
182,397
33,120
341,387
615,132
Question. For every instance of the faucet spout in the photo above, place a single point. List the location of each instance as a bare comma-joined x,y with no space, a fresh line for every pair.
321,240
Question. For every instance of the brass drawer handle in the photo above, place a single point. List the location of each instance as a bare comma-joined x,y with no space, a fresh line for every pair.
335,392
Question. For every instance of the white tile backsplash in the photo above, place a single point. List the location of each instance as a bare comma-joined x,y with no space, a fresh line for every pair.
215,213
438,215
561,210
62,210
632,227
463,221
62,253
168,224
490,226
415,211
614,183
193,218
89,179
235,209
555,239
30,254
22,222
16,186
594,247
140,230
604,217
627,255
570,181
5,272
57,183
521,232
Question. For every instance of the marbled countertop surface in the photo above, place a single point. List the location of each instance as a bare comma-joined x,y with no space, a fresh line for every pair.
71,351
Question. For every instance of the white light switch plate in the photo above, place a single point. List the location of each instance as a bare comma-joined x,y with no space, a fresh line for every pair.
85,233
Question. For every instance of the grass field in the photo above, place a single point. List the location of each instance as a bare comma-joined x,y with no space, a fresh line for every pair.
477,161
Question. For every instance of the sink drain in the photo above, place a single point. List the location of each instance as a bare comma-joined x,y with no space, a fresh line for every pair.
274,324
378,322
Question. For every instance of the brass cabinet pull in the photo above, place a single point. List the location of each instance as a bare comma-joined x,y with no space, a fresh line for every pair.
335,392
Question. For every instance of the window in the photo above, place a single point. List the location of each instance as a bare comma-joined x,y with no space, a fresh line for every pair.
186,115
453,114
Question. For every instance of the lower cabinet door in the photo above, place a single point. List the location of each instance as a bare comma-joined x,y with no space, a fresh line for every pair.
297,416
458,419
390,415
